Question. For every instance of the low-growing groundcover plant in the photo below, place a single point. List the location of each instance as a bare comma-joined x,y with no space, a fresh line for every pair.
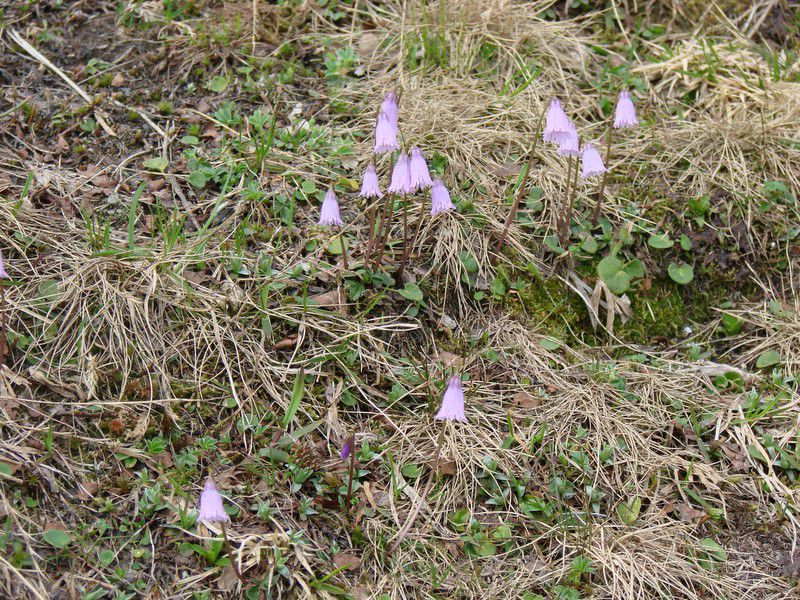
242,357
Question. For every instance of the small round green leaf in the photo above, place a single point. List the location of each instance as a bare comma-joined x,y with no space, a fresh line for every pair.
612,271
158,163
412,292
217,84
681,274
767,359
57,538
660,241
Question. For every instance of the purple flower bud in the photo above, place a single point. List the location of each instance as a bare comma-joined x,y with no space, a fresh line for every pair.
625,114
557,123
592,162
401,176
211,508
440,198
420,177
389,107
570,145
347,448
385,134
3,274
370,186
329,214
452,408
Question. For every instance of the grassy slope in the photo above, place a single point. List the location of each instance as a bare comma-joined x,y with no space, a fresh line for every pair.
171,300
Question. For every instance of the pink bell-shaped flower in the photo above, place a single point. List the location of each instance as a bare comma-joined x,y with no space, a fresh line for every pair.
347,448
389,107
329,213
625,114
557,123
420,176
370,186
592,162
452,408
385,134
440,198
211,508
401,176
570,144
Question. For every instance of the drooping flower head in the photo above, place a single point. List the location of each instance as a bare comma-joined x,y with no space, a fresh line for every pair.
385,134
389,107
440,198
592,162
347,448
625,115
420,177
3,274
556,123
329,213
370,187
211,509
453,402
570,144
401,176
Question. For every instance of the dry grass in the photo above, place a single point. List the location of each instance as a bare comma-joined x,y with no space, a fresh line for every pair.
115,347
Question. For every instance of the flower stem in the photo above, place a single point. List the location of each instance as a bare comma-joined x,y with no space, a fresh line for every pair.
522,184
384,220
568,216
230,554
370,234
345,267
564,203
415,511
384,238
602,187
351,471
3,323
405,238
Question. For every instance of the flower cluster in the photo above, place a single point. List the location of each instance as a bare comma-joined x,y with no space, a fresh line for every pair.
560,130
410,173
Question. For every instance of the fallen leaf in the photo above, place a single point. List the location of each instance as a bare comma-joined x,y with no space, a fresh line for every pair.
227,581
346,561
286,343
525,400
118,80
689,513
87,489
447,358
448,467
62,145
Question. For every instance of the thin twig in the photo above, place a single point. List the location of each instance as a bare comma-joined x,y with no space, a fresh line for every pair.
230,554
23,43
415,511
